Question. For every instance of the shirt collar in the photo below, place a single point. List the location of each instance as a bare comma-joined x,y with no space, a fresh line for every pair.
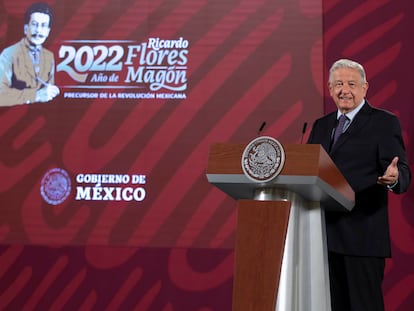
351,115
31,47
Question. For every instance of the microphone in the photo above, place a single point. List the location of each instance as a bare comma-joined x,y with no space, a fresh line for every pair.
303,131
261,128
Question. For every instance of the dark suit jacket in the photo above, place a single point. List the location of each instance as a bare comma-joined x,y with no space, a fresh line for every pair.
362,154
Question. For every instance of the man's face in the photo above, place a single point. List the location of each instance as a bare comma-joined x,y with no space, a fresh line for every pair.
347,89
38,28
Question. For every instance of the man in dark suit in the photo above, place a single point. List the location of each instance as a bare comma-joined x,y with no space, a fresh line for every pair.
370,153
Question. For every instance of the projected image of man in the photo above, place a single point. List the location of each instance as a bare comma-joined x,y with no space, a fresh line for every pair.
27,68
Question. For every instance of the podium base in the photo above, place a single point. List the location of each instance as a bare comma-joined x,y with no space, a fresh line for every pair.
304,279
291,271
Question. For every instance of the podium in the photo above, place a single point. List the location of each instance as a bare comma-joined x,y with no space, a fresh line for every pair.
280,251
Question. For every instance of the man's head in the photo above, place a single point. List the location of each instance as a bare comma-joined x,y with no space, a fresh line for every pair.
37,23
347,84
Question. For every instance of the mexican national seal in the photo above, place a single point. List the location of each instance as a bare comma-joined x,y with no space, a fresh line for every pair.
263,159
55,186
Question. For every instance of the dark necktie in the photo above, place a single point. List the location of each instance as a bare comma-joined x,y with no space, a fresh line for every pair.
340,128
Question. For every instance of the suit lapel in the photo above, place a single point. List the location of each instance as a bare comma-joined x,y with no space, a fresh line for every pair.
326,139
43,62
28,63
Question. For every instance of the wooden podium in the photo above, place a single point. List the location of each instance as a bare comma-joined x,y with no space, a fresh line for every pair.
280,253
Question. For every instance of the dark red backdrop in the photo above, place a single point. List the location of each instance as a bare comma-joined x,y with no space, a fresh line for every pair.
248,61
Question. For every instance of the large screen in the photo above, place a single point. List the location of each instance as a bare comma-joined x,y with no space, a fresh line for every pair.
118,156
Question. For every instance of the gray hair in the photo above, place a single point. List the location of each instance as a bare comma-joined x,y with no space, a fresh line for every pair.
347,63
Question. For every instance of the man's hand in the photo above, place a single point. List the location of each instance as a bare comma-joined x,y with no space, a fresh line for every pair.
390,176
47,93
